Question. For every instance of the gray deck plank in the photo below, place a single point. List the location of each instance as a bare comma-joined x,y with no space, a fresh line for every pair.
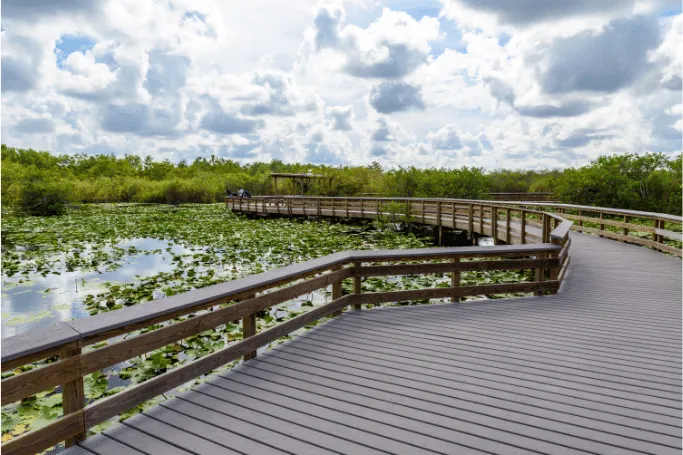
493,348
595,368
126,434
358,430
178,437
207,413
434,434
450,413
211,396
386,426
420,439
455,360
101,444
241,439
431,373
353,382
78,450
438,336
354,440
412,339
475,391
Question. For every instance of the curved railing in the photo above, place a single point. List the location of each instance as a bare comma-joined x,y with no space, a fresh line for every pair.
543,246
659,231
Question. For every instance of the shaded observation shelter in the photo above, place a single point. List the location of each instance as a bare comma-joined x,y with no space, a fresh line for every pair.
302,182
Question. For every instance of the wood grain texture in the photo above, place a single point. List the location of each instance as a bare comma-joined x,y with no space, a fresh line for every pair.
36,345
37,380
356,283
455,279
73,393
54,433
249,330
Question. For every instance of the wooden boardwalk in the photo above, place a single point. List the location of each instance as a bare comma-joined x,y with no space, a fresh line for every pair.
595,369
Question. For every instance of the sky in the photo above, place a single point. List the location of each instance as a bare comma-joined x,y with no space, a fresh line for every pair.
488,83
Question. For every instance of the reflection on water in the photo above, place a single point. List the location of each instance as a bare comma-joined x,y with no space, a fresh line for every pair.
42,301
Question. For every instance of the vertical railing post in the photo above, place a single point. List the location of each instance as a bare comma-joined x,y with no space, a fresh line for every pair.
455,280
508,212
249,329
494,224
655,237
357,284
602,225
481,219
346,200
544,228
453,215
438,221
522,235
377,213
337,291
539,274
555,271
625,230
73,394
470,221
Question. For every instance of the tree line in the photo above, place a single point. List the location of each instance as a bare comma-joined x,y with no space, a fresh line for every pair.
38,182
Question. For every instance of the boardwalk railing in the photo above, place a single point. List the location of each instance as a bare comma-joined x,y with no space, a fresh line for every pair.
659,231
69,345
527,220
514,225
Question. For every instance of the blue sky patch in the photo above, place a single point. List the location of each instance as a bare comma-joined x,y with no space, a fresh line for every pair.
671,12
503,39
362,17
195,14
68,44
452,39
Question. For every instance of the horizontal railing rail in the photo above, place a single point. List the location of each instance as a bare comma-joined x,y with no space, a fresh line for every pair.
67,342
659,231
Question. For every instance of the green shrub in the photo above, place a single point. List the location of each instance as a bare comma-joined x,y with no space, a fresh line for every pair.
43,198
